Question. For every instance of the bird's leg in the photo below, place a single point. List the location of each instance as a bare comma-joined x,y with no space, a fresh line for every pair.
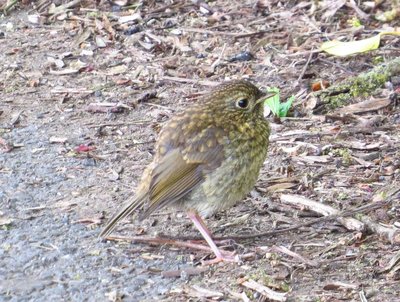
201,221
220,255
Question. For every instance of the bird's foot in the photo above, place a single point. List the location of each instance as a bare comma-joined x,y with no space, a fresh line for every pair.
222,256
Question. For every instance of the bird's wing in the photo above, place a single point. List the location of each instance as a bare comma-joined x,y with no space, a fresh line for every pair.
183,168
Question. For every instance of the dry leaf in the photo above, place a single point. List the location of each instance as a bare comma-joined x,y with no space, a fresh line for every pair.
343,49
133,17
5,221
117,69
366,106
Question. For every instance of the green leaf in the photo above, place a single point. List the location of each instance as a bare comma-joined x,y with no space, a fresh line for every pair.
274,103
278,109
284,107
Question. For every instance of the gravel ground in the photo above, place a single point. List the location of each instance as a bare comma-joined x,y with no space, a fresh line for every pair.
45,254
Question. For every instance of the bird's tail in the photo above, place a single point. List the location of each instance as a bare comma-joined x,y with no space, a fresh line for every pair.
127,210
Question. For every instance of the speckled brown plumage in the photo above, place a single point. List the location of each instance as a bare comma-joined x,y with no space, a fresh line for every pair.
207,157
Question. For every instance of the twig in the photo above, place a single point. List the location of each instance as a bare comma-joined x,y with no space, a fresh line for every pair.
305,67
9,6
361,209
160,241
224,33
178,241
217,61
71,90
308,134
265,291
391,233
90,125
297,256
327,100
311,205
392,264
186,271
361,294
107,107
302,53
63,8
192,81
340,66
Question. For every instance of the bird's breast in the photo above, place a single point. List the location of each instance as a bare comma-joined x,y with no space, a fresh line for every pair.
244,156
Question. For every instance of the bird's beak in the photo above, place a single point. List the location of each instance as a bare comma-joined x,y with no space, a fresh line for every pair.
265,96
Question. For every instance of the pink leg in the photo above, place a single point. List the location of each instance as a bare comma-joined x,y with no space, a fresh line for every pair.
226,241
200,220
220,255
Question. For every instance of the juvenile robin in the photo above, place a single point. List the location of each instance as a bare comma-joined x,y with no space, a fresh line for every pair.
207,158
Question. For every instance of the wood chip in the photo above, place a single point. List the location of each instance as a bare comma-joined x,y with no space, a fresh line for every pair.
5,221
314,159
190,271
366,106
281,187
297,256
58,140
130,18
119,69
265,291
311,205
340,285
392,263
201,292
63,71
148,256
362,145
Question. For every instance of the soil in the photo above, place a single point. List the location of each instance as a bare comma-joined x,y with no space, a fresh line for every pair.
83,95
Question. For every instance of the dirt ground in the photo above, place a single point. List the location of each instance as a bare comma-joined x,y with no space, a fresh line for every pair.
83,94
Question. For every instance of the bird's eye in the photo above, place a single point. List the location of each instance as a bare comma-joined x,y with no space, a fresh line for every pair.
243,103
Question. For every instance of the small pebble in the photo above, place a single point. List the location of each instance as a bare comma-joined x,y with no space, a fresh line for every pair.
115,8
133,30
169,24
243,56
89,162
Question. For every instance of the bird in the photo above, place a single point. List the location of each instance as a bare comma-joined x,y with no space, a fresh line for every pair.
207,158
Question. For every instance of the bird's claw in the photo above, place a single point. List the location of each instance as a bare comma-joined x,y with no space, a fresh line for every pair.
223,256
